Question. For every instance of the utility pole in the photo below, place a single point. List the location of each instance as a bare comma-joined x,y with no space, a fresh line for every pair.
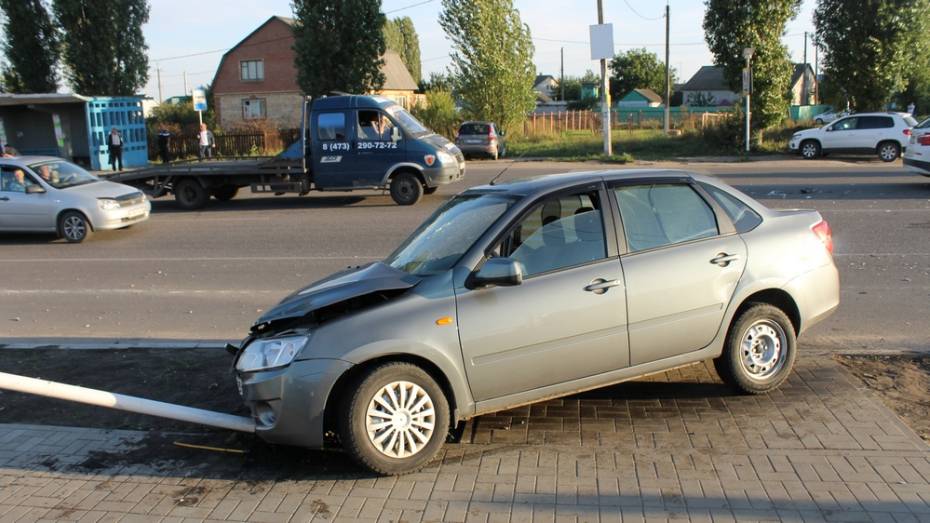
668,75
158,80
804,92
816,74
185,84
562,77
605,90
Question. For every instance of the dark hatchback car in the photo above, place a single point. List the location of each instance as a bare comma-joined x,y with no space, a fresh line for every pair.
481,138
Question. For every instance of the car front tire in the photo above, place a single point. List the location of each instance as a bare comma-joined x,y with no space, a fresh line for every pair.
889,151
74,227
810,149
395,420
760,350
406,189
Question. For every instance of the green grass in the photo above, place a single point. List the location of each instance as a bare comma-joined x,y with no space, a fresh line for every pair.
584,145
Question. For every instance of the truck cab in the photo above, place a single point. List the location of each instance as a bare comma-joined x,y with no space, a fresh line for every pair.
370,142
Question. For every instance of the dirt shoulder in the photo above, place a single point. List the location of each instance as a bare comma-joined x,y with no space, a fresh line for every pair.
196,378
902,382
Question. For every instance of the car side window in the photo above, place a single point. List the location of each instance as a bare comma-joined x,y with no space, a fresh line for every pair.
374,126
846,124
331,126
743,217
13,179
875,122
559,232
663,214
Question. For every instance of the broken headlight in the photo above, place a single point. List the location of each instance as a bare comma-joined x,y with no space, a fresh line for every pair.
264,354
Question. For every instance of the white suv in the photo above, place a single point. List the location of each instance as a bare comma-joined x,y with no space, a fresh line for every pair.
917,157
885,134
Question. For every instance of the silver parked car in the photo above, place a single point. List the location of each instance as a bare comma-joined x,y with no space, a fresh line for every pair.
47,194
481,138
514,293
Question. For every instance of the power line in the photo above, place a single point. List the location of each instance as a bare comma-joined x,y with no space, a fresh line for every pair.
580,42
637,13
411,6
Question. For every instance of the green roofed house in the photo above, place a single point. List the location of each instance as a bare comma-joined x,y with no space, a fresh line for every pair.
640,98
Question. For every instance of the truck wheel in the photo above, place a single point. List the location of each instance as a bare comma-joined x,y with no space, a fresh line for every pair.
430,190
395,420
224,193
74,227
190,194
760,350
406,189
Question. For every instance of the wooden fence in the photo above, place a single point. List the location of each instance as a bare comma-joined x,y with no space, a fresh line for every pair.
559,122
227,144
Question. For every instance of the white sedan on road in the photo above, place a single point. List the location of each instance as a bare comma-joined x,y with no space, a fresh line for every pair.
47,194
917,157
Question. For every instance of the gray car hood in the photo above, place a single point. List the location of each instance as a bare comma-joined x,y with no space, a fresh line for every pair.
342,286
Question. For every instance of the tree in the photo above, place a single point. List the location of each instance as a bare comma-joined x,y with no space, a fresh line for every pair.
30,46
338,45
635,69
437,82
868,46
401,37
104,48
732,25
438,113
492,59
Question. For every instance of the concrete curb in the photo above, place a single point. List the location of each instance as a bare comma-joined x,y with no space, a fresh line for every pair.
110,343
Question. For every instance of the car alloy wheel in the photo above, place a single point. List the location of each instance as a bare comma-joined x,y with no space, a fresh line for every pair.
401,419
809,150
761,349
73,227
888,152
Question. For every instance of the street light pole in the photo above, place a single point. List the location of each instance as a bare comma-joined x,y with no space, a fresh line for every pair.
605,92
747,88
668,76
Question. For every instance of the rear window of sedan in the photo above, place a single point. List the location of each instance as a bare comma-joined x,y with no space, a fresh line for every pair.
744,218
475,128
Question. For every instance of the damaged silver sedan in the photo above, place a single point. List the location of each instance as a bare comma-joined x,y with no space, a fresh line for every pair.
513,293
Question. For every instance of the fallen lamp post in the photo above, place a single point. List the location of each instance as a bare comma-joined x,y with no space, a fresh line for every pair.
112,400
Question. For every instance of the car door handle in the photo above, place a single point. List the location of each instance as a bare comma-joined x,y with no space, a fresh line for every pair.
600,285
723,259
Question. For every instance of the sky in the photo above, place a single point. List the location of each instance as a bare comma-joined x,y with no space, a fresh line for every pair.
178,29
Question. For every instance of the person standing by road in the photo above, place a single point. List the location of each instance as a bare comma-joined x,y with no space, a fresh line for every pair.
911,108
164,138
115,149
207,143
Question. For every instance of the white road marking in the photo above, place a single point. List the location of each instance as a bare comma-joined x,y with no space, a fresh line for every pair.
191,259
146,292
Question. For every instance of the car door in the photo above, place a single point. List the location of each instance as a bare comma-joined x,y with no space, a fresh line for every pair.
682,263
567,320
22,211
871,130
380,145
333,152
840,135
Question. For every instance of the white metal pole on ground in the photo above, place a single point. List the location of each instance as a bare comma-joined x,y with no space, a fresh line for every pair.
112,400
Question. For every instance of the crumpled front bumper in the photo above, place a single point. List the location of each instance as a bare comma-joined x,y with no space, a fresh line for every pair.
288,404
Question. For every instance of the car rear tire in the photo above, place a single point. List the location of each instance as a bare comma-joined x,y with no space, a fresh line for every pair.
224,193
190,194
74,227
495,155
889,151
396,419
406,188
760,350
810,149
818,121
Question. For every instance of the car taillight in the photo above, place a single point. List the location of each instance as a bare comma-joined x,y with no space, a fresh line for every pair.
824,234
491,136
907,132
924,139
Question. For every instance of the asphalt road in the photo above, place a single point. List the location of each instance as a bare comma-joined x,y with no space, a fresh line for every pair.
209,274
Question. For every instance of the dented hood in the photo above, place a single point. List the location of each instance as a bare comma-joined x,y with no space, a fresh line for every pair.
342,286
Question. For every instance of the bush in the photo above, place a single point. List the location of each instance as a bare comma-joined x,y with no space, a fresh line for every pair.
439,113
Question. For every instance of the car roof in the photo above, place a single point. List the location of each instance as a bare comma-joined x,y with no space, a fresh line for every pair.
28,160
552,182
352,101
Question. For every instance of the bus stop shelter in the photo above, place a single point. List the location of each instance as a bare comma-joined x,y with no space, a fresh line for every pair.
74,127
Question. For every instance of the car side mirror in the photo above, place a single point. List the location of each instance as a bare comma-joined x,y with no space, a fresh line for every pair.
34,189
503,272
395,134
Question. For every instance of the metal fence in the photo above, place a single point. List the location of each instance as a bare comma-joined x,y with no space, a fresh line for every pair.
558,122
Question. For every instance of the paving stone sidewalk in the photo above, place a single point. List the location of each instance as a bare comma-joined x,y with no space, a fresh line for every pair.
676,447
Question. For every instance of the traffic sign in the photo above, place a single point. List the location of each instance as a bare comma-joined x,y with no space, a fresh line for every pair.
200,100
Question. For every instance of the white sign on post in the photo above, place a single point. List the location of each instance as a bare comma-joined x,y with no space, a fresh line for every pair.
199,97
602,41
